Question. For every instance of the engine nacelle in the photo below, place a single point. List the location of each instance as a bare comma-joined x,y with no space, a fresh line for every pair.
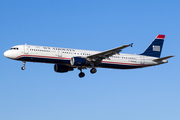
78,61
62,68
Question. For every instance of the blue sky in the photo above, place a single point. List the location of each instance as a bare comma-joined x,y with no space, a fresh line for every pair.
40,93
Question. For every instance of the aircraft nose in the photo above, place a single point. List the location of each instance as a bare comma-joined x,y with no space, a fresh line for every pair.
7,54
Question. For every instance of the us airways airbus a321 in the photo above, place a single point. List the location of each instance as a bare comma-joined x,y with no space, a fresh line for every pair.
65,59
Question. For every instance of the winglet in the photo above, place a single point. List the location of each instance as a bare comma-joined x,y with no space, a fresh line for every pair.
131,44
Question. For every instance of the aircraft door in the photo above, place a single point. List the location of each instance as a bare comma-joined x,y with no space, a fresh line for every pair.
59,53
142,59
26,50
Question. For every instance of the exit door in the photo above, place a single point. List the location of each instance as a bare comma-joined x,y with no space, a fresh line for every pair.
142,59
26,50
59,53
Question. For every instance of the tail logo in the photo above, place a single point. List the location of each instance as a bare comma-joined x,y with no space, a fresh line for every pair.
156,48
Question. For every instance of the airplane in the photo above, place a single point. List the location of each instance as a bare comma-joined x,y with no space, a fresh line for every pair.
65,59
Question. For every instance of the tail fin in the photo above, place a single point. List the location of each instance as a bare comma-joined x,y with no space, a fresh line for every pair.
155,47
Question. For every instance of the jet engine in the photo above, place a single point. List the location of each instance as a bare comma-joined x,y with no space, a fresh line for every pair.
78,61
62,68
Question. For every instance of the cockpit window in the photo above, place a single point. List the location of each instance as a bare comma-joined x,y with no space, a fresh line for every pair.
14,48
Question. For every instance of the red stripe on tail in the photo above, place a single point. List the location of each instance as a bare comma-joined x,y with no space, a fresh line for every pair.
161,36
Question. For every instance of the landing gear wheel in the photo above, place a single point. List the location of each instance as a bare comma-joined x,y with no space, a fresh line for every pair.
23,68
81,74
93,70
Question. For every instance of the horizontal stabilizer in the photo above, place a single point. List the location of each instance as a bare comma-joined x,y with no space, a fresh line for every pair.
164,58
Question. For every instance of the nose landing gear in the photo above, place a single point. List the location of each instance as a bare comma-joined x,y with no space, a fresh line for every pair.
23,67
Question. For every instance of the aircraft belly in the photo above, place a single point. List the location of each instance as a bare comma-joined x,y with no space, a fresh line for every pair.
119,66
45,59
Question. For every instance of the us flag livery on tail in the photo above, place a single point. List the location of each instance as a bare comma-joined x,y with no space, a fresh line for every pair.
65,59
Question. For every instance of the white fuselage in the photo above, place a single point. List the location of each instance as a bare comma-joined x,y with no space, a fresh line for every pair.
65,59
56,55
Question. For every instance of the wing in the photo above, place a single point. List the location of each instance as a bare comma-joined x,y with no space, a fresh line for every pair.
107,54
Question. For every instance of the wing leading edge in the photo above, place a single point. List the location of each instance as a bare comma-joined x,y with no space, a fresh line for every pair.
108,53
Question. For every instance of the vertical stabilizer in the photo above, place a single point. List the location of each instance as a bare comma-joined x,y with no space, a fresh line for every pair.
155,47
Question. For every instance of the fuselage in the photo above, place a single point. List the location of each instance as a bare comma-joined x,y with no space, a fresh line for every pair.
56,55
66,59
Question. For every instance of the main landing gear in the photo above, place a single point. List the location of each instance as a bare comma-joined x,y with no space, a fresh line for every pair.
93,70
23,67
82,74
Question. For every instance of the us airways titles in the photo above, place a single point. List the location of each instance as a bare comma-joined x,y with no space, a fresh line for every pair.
55,48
